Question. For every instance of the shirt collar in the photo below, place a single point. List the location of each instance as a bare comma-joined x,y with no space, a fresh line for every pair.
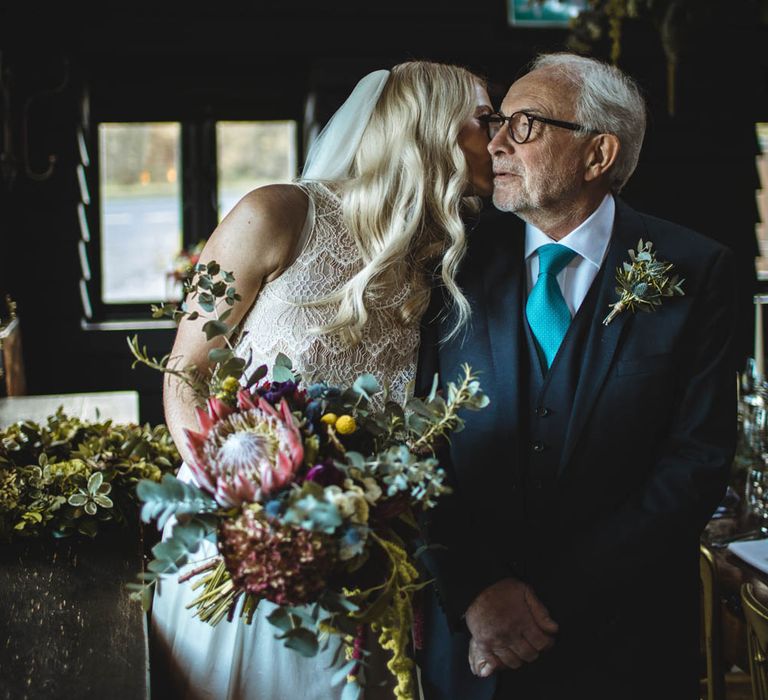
589,240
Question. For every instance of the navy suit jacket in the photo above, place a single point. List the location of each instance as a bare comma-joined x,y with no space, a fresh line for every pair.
648,444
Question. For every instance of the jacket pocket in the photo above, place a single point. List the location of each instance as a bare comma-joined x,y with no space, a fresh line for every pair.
643,365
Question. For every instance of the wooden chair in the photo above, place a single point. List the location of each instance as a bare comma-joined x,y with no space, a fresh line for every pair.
12,378
756,615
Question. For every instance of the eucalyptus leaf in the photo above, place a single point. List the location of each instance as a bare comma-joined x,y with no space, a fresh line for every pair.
283,360
214,328
343,672
280,618
171,497
217,355
281,374
352,691
301,640
367,385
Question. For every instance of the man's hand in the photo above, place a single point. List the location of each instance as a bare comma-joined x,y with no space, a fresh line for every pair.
509,626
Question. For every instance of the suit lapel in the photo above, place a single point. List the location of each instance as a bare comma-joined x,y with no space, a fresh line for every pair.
603,341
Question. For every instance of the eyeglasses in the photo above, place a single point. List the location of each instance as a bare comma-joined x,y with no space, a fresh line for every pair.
520,125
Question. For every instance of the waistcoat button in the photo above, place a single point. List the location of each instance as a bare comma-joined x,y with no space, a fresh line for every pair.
538,446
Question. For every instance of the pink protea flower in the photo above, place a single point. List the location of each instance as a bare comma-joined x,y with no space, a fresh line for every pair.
242,454
282,563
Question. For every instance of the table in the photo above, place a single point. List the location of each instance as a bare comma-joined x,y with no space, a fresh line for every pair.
732,572
120,406
67,625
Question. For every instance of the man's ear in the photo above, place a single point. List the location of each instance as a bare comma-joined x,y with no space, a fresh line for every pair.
601,155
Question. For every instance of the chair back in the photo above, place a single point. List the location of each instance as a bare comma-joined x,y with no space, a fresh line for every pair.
711,625
756,615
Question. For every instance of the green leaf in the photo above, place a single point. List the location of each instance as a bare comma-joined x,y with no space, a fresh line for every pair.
281,374
341,674
283,361
173,553
336,603
228,276
77,500
214,328
234,366
94,481
213,268
352,691
204,282
225,315
103,501
171,497
367,385
280,618
355,459
301,640
217,355
257,375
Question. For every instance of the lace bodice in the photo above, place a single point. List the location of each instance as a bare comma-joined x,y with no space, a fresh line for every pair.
328,259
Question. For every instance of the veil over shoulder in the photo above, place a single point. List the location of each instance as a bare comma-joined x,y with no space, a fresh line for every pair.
331,154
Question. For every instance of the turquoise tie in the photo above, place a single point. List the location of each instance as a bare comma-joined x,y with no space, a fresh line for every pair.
548,314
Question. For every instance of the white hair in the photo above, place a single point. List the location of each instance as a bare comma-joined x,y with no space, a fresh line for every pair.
607,100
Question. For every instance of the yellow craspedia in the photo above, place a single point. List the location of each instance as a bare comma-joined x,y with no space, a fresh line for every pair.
345,425
230,385
329,419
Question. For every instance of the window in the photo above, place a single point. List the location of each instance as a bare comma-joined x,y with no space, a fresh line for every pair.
140,196
252,154
162,188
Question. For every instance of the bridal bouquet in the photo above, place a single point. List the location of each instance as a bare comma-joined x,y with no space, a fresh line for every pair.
310,493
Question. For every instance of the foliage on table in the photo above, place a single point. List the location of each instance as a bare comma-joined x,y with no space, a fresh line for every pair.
68,476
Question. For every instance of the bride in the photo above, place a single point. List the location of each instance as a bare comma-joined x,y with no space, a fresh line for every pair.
335,272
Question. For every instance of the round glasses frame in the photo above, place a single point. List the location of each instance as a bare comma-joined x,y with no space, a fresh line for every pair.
516,125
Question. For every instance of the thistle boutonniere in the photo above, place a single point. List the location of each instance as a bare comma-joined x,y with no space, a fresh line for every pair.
644,282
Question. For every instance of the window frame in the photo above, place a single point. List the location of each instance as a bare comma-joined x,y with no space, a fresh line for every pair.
199,203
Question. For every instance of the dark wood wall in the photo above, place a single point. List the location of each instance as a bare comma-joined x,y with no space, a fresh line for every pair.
260,60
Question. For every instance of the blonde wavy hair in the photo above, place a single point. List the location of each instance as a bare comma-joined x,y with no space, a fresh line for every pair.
404,201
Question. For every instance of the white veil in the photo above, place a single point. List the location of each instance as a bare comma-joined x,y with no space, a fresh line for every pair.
331,154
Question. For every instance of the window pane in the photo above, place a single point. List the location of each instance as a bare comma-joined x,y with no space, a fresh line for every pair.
140,193
251,154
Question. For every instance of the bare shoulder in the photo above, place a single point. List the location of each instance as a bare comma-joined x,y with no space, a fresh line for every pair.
263,229
285,205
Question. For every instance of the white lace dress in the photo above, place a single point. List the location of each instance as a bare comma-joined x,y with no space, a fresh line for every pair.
235,661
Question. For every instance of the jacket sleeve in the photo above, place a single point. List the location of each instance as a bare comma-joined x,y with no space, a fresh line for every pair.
452,547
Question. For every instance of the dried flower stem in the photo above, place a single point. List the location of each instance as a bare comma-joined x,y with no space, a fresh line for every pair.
447,421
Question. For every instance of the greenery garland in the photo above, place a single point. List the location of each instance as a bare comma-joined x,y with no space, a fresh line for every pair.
70,476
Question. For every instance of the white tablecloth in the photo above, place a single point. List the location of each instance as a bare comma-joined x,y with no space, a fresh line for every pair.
120,406
754,552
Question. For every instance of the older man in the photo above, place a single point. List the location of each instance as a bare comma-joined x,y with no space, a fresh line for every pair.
570,566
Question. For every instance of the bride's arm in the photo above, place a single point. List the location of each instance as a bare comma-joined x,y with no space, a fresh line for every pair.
256,241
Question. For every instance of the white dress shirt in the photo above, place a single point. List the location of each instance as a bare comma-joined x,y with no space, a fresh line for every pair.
590,242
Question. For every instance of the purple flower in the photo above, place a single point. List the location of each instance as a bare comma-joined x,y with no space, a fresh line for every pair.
278,390
325,474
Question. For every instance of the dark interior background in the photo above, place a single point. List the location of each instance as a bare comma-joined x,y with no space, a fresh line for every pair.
261,60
